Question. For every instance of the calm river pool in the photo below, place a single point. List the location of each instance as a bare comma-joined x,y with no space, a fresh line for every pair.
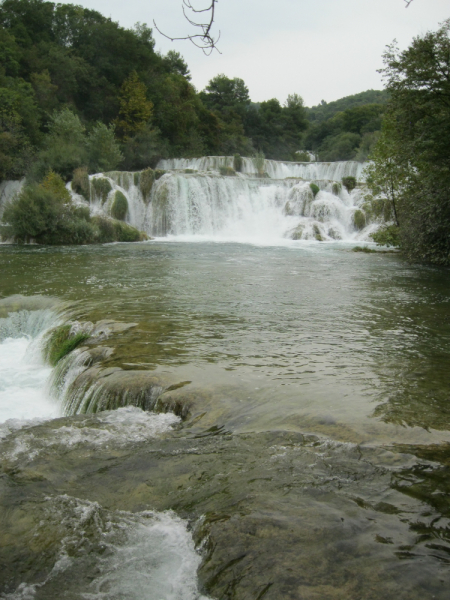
309,453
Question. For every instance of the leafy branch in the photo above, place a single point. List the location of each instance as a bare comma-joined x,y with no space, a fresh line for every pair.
204,40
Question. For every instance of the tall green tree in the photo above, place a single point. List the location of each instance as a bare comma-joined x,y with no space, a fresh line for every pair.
414,148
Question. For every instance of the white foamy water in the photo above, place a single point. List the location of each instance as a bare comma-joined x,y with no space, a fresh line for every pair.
243,208
23,372
23,380
117,555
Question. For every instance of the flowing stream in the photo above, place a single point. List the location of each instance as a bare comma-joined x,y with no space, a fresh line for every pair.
247,416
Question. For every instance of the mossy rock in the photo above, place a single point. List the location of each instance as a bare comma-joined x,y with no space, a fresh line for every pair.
102,187
359,219
159,173
317,234
237,163
80,183
146,181
349,183
363,249
314,188
189,171
227,171
119,206
137,178
297,233
288,210
61,342
336,188
334,234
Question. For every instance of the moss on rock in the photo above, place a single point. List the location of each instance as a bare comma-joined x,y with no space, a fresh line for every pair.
61,342
314,188
102,187
119,206
147,179
359,219
227,171
80,182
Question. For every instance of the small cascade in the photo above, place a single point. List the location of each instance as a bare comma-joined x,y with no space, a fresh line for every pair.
23,373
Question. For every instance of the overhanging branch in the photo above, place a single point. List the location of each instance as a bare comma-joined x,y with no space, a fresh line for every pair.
204,40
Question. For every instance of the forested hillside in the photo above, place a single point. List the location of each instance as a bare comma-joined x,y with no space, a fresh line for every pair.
76,89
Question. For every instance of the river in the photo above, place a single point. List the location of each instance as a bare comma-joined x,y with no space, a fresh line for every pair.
298,445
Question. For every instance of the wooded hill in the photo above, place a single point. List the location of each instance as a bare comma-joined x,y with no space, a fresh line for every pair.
76,89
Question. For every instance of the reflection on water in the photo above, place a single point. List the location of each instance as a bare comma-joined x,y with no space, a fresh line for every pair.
314,463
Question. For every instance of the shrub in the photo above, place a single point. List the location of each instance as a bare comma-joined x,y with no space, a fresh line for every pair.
61,342
237,163
147,178
388,235
119,206
227,171
110,230
34,212
54,183
80,182
314,188
302,156
349,183
102,187
359,219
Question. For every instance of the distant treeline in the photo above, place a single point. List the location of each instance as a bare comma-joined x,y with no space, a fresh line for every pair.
76,89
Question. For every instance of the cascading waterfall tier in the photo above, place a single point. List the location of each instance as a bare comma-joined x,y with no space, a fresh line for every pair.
204,198
333,171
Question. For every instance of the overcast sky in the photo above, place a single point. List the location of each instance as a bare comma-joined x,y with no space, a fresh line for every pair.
320,49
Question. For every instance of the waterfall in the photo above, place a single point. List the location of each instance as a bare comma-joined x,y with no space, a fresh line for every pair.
203,198
333,171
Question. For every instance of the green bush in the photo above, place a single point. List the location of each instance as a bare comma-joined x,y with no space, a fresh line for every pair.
259,163
61,342
349,183
119,206
102,187
314,188
302,156
80,182
388,235
34,212
359,219
146,181
237,163
227,171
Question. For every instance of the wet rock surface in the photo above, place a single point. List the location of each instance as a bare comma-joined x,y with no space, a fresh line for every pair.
276,515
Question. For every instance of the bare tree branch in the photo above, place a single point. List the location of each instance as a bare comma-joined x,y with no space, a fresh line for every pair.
204,40
408,2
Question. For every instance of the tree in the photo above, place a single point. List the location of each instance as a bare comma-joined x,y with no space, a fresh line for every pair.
135,110
412,156
102,149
